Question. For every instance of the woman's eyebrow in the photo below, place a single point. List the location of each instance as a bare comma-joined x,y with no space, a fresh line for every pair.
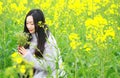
29,21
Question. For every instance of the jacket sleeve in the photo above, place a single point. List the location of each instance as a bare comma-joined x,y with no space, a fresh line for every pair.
50,56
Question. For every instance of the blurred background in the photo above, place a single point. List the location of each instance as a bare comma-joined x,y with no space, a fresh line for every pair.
87,33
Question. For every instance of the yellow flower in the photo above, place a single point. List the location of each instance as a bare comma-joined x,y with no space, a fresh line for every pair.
73,36
45,4
103,38
14,66
105,2
89,36
13,6
97,1
18,60
118,28
100,19
20,8
111,11
88,22
31,73
24,2
14,54
77,6
73,28
36,1
22,69
74,44
49,21
88,49
1,8
9,1
113,6
110,32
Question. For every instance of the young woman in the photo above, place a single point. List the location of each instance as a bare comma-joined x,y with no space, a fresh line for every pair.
42,50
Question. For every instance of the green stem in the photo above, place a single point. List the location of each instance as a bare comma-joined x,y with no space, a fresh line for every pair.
75,68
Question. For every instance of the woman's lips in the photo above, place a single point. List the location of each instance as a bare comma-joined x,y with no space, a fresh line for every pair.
30,30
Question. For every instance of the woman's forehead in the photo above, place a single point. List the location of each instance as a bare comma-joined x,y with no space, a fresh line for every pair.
29,19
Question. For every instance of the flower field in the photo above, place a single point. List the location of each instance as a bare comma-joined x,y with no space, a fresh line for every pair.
87,33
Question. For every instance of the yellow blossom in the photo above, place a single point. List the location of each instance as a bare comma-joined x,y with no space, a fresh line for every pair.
77,6
110,32
14,54
113,6
73,36
87,46
18,60
20,8
97,21
49,21
24,2
89,36
14,66
36,1
9,1
22,69
88,49
45,4
73,28
13,6
118,28
88,22
1,8
100,38
111,11
105,2
100,19
74,44
97,1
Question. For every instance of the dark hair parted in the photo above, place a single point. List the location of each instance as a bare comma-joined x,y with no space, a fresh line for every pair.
40,32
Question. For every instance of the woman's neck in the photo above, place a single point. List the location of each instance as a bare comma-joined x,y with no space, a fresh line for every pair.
34,36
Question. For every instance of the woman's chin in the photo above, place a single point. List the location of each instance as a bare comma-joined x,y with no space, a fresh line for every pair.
31,32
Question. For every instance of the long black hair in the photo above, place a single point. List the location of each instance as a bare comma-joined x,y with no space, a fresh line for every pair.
40,31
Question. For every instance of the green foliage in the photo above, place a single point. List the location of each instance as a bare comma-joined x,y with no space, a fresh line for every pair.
21,38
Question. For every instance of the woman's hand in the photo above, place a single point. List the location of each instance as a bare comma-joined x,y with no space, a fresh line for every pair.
22,50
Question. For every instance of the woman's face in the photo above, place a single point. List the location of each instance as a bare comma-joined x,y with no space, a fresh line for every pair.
30,24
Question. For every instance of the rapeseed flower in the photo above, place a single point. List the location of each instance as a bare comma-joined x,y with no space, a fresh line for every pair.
22,69
74,44
1,8
73,36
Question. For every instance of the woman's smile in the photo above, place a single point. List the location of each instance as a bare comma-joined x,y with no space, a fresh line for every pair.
30,30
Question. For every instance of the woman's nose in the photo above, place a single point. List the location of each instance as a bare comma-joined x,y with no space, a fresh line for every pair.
28,26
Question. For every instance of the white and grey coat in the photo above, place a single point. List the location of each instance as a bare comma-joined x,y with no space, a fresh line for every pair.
50,56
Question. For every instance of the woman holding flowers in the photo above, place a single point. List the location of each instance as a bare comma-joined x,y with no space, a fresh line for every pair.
41,48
